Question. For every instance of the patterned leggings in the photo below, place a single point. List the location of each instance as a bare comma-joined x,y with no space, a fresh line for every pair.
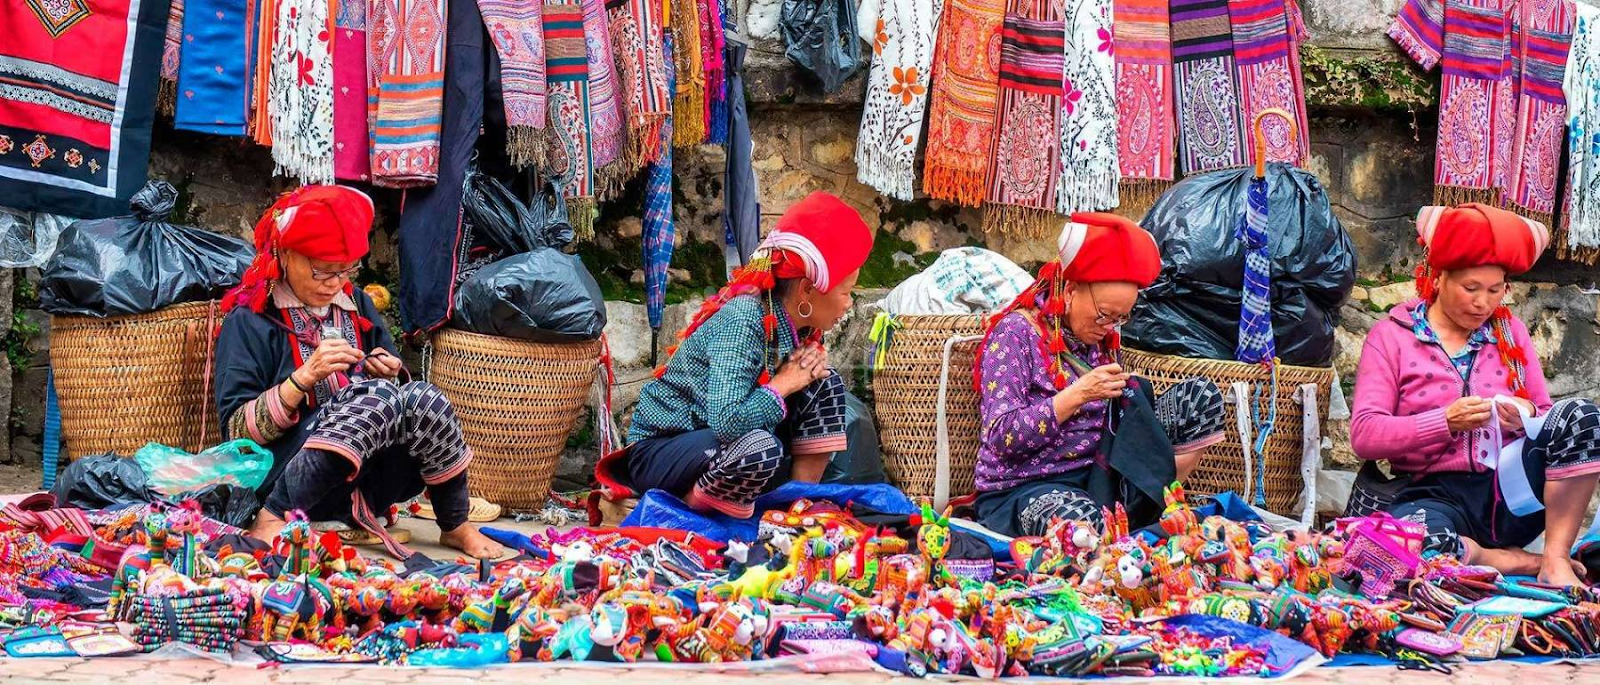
1468,505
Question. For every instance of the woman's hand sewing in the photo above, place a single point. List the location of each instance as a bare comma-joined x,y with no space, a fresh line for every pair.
1468,414
333,355
1510,418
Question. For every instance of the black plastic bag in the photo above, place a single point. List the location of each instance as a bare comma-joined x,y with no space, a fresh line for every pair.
820,36
499,222
1193,307
108,480
139,263
861,462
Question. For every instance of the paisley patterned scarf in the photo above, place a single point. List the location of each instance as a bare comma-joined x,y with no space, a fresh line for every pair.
1210,133
965,101
569,162
1144,100
1089,168
517,30
300,93
1579,236
637,43
1266,47
1540,53
605,107
1024,167
897,95
166,97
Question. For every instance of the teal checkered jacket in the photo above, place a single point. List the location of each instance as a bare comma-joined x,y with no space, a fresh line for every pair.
713,380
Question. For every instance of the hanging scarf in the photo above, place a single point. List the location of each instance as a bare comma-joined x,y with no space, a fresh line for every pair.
351,156
657,236
260,127
964,102
605,106
407,76
897,95
1089,168
1540,54
1024,167
637,44
1144,100
1266,47
1580,231
517,30
690,95
713,43
214,68
300,94
569,161
1209,127
170,54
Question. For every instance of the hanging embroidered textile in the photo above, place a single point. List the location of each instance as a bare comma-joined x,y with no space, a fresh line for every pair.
78,86
897,95
352,159
1210,132
690,93
1266,36
1089,168
605,107
1501,110
170,54
637,35
517,30
568,161
214,68
713,45
301,92
1024,168
266,21
406,49
1143,55
1579,235
964,102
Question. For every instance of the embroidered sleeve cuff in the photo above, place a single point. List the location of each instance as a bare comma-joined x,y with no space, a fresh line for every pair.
783,407
282,415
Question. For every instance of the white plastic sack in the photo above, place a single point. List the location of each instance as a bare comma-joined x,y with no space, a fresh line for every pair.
964,280
27,239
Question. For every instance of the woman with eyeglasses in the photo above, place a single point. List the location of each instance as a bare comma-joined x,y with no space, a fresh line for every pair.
306,368
1047,373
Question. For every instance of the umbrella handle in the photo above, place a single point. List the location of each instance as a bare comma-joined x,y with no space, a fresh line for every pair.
1261,136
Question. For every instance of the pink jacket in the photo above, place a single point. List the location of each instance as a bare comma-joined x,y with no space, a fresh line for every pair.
1403,386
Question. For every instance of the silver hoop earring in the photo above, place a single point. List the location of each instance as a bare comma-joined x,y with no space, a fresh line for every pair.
805,310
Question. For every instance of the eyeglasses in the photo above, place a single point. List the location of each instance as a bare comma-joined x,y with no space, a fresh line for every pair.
1103,319
347,274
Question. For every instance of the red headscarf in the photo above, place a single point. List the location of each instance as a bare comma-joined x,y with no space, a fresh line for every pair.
819,238
1473,235
325,223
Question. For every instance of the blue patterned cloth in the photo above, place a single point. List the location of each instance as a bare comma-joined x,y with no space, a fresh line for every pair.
213,73
1462,358
659,231
1255,315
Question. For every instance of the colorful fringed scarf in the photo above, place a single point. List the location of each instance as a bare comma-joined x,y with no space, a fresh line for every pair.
1144,100
214,68
170,51
1210,132
517,29
1023,175
1266,47
690,93
637,42
569,160
713,44
605,107
1579,238
260,127
897,95
300,93
964,102
1500,113
351,156
1089,168
407,78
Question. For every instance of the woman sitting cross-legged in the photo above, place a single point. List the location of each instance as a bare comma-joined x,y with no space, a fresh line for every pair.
1047,373
306,369
1442,391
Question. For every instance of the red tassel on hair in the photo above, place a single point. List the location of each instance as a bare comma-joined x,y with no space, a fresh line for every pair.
769,323
1057,343
660,371
765,378
1055,306
1060,381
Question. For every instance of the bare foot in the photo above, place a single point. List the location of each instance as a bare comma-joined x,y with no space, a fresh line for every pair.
466,538
1561,572
266,527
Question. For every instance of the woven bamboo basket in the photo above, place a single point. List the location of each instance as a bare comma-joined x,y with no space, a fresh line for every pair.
907,389
517,402
126,381
1222,468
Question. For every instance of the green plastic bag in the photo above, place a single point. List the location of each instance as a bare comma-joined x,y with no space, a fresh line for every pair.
172,471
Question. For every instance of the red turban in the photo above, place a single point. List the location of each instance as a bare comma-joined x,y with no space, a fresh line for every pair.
1470,235
325,223
1097,247
826,235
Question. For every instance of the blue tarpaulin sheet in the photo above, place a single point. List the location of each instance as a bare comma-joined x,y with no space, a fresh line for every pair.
660,510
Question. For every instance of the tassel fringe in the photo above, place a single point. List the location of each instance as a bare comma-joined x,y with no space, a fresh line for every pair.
1094,192
527,146
582,211
1024,222
1140,194
882,169
610,180
690,129
1450,196
965,187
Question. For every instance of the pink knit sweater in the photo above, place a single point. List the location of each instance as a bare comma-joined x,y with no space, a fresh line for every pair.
1403,386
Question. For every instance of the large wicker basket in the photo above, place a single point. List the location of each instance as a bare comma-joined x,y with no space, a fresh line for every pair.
517,402
126,381
1223,467
929,356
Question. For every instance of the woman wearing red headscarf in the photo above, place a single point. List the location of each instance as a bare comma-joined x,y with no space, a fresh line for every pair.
1447,384
748,400
1047,375
306,369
